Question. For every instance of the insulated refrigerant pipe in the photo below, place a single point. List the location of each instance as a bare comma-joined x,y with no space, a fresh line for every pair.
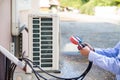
11,57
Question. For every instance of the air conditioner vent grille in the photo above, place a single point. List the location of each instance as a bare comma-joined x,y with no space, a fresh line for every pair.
44,40
42,34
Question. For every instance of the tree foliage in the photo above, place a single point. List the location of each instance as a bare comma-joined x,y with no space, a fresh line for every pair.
87,6
73,3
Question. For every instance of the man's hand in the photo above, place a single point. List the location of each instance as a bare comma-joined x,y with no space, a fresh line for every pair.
87,44
85,51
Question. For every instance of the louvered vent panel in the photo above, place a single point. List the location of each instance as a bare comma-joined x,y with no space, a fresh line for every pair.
45,41
36,41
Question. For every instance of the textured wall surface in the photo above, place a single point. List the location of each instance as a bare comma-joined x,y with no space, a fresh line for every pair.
5,33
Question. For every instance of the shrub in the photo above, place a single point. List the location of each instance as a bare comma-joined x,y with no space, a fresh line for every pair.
88,8
73,3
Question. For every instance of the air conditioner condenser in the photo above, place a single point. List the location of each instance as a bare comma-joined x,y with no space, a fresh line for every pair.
44,40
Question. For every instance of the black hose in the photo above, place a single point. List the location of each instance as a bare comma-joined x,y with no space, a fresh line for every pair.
11,71
38,76
74,78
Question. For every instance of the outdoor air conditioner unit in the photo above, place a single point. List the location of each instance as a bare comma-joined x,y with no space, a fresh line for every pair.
44,40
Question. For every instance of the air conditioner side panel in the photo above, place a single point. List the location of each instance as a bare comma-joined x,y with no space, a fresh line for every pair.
30,38
56,42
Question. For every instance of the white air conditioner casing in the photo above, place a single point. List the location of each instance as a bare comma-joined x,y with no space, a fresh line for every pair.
15,22
44,40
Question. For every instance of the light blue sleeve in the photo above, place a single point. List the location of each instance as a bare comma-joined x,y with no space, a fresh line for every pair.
109,52
108,63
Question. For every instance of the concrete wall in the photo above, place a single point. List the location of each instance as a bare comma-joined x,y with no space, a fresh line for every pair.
5,34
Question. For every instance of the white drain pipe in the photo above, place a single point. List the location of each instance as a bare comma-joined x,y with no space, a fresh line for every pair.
11,57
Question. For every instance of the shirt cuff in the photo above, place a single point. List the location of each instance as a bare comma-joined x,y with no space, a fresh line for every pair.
91,56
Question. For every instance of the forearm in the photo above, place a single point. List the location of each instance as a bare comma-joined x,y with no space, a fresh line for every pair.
109,52
110,64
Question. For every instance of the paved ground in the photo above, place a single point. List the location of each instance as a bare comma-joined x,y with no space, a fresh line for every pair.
99,32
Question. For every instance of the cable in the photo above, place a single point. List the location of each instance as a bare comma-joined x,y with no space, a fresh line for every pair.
11,71
35,72
38,76
75,78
